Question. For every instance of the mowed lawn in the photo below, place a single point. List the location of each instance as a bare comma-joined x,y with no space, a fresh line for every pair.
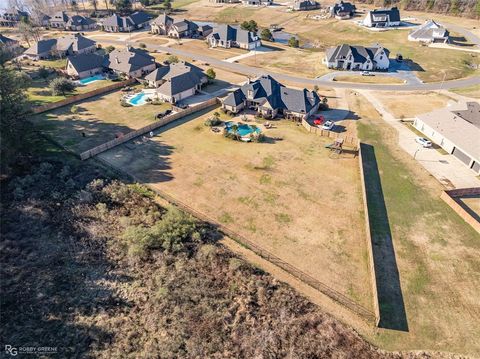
286,195
437,253
100,118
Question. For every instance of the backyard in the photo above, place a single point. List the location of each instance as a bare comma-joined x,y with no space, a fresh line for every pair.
94,121
286,194
438,264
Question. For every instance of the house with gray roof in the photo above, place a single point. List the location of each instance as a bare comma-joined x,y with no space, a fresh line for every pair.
305,5
382,18
343,10
271,99
135,21
360,58
176,81
257,2
178,28
430,32
71,44
58,20
11,17
85,65
455,128
232,36
8,43
130,62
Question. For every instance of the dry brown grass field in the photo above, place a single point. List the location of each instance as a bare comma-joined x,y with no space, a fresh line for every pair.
286,195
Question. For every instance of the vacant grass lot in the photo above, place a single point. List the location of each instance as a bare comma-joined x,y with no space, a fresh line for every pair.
369,79
200,46
286,195
471,91
436,251
101,118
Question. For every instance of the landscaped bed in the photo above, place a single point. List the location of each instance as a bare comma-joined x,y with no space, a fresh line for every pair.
284,193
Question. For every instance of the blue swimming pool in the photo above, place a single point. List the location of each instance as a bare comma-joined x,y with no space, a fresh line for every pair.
139,99
88,80
243,129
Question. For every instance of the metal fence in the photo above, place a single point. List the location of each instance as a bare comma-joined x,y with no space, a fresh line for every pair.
153,126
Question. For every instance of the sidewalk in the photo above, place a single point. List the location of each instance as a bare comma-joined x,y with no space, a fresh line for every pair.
445,168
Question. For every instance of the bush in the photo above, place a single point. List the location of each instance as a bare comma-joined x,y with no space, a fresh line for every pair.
109,49
172,59
61,86
211,74
43,73
142,45
293,42
213,121
156,102
266,35
124,103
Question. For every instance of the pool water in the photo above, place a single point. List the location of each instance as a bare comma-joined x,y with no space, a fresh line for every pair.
88,80
243,129
139,99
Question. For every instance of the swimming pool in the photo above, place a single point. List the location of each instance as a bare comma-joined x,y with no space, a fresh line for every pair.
139,99
243,129
89,80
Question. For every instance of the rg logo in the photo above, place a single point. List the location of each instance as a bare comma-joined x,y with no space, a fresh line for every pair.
11,350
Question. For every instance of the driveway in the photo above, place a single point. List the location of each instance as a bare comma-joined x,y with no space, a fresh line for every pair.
445,168
258,51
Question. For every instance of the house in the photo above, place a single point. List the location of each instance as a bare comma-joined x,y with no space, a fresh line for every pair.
130,62
232,36
80,23
381,18
225,1
304,5
117,23
85,65
40,19
176,81
59,20
8,44
456,129
343,10
178,28
71,44
257,2
11,17
270,99
430,32
347,57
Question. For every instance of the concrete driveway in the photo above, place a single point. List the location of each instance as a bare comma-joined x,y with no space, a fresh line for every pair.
445,168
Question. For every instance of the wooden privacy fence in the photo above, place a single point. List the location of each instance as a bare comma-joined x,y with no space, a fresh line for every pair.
368,235
141,131
347,140
449,198
333,294
82,96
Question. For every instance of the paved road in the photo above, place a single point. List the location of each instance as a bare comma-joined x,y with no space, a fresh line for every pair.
471,37
256,71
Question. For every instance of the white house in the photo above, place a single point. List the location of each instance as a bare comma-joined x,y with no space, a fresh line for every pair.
430,32
360,58
382,18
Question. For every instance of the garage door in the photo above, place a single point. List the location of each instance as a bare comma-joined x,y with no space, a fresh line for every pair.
461,156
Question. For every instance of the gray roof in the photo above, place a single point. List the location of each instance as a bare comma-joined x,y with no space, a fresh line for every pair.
157,74
74,42
267,90
140,17
85,62
181,76
360,53
381,14
305,4
41,47
77,20
128,60
60,16
163,19
135,19
429,30
233,33
460,124
344,7
7,41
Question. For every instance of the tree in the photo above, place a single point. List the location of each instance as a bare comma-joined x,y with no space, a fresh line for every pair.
315,88
94,4
167,4
293,42
172,59
249,25
266,35
123,7
142,45
109,49
28,31
211,74
43,73
61,85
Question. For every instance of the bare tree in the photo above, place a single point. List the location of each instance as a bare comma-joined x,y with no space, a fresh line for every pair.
94,4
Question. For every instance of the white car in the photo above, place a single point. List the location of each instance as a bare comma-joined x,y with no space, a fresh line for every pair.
423,142
328,125
367,73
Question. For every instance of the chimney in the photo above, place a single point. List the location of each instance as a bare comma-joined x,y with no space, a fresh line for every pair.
116,59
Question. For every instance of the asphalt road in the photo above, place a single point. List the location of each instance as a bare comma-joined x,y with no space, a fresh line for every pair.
256,71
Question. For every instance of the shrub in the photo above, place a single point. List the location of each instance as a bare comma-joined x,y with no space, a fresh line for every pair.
124,103
293,42
109,49
61,86
43,73
213,121
211,74
172,59
142,45
156,102
266,35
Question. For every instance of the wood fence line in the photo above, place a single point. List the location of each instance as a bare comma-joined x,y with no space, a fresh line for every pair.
449,198
348,140
146,129
368,235
333,294
82,96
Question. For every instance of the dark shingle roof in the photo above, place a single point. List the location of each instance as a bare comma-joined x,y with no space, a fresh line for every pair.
233,33
77,20
140,17
75,42
359,53
344,7
41,47
116,20
381,14
85,62
128,60
6,40
181,76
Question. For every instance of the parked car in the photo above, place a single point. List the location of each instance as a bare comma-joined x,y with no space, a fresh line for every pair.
163,113
329,125
367,73
423,142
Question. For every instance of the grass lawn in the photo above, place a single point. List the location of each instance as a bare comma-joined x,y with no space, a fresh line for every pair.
369,79
57,64
471,91
100,118
200,46
437,253
410,104
286,195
